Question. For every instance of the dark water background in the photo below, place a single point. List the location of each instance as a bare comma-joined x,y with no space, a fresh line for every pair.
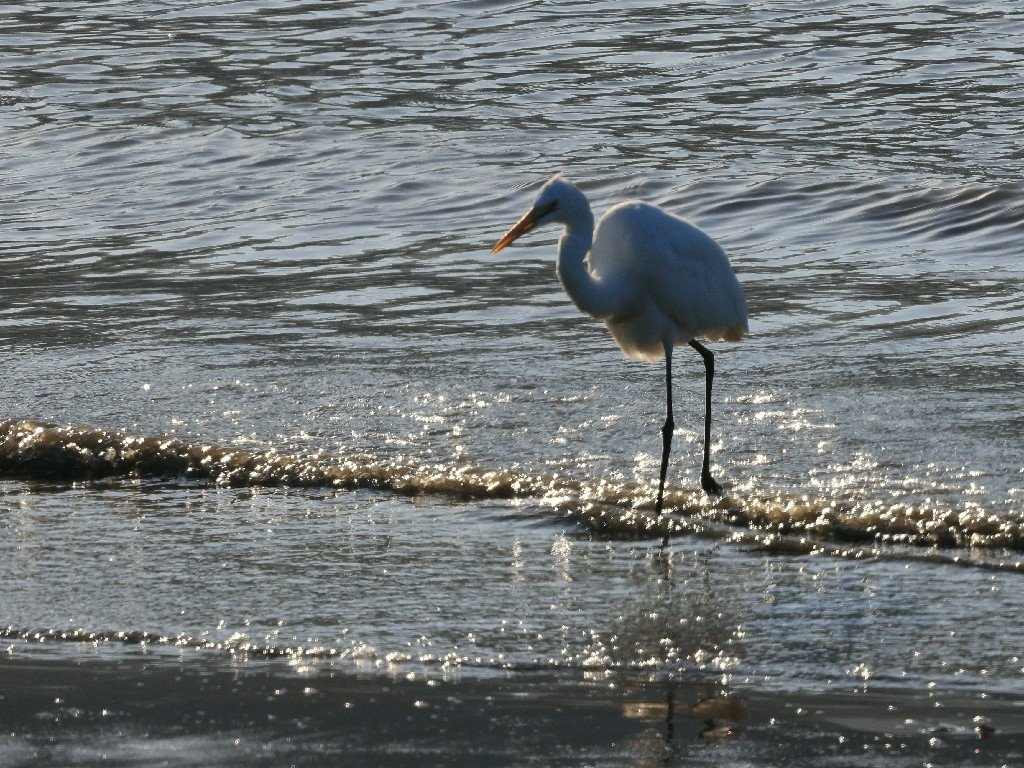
265,227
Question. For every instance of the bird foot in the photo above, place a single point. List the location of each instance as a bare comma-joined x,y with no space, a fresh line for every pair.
707,482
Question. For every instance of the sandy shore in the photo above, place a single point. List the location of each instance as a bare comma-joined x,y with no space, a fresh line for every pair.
63,709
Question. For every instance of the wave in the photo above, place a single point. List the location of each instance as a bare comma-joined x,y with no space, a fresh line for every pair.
779,523
944,212
241,648
235,645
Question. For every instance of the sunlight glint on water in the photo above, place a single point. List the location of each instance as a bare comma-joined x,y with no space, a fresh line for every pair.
263,230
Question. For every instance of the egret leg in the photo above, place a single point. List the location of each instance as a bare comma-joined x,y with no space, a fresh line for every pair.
707,482
666,430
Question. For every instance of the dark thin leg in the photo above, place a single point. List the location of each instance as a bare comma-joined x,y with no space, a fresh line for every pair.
670,716
707,482
666,432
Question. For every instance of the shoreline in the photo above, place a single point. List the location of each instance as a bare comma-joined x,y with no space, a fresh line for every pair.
776,522
132,708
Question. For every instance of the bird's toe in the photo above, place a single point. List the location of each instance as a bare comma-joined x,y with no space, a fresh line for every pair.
710,485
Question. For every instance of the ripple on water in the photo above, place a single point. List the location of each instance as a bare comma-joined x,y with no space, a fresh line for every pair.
42,452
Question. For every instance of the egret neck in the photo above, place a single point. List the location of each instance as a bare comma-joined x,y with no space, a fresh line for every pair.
586,290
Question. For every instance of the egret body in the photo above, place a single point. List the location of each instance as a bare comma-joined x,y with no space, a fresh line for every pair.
655,280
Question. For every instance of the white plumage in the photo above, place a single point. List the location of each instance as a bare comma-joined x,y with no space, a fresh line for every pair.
655,280
680,284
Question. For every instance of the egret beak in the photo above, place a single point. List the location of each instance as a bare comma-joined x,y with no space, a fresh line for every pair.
524,225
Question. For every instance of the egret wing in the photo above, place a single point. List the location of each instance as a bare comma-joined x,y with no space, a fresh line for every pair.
679,267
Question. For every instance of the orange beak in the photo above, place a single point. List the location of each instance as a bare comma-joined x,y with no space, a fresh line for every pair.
524,225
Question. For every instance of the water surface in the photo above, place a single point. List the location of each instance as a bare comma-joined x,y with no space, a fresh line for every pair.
265,228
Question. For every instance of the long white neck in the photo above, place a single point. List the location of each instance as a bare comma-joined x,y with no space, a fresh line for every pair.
587,292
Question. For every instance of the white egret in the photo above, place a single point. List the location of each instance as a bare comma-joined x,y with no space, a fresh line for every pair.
654,279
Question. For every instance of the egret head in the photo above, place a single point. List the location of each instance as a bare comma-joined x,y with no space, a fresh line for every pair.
559,201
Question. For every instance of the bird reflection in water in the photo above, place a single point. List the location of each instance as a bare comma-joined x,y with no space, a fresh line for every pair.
679,624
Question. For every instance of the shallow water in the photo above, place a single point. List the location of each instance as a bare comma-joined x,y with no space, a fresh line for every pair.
265,228
128,711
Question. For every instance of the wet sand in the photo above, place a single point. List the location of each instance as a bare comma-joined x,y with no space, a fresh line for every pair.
60,708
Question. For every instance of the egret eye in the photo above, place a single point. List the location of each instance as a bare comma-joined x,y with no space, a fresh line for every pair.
544,210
